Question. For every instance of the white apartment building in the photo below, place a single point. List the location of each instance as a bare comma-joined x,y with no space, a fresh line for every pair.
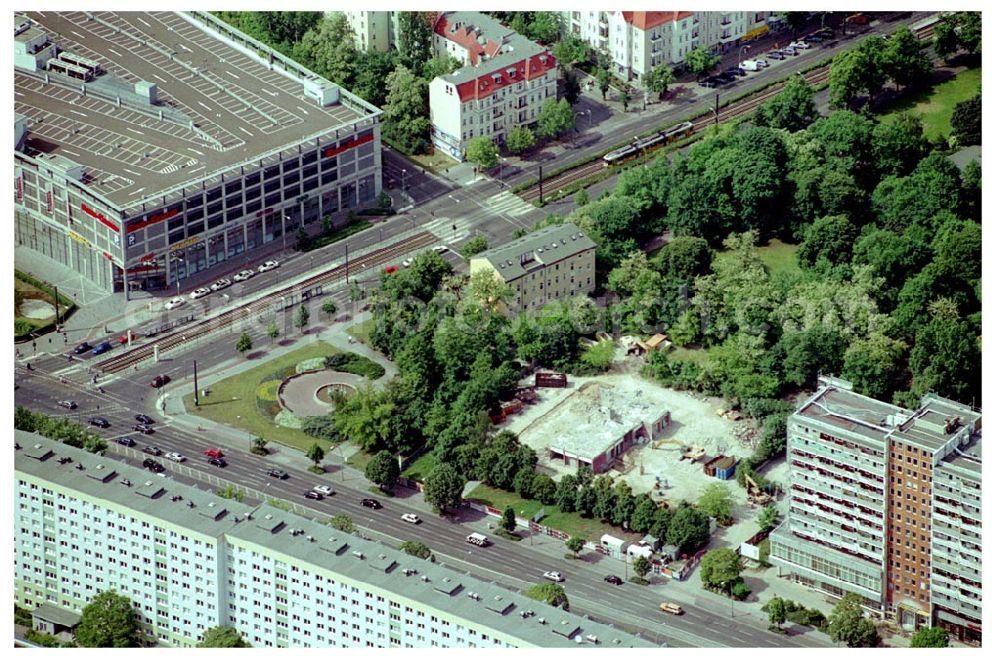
639,41
377,31
551,263
504,82
190,560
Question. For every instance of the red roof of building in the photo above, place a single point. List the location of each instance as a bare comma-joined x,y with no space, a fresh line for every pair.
647,20
488,83
466,36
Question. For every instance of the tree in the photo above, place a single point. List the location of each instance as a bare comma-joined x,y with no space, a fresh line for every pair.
443,488
776,615
659,78
792,109
626,97
328,49
767,518
642,566
301,319
603,82
552,594
507,520
523,480
543,489
555,118
329,307
898,145
520,139
849,625
364,417
903,59
569,51
343,522
272,330
586,501
405,114
372,68
717,502
109,620
474,246
581,198
688,530
946,358
700,61
315,454
874,365
720,569
417,549
440,65
415,35
967,122
489,290
565,498
483,153
796,21
259,446
855,71
571,87
574,545
544,27
382,469
827,241
961,30
244,344
223,637
930,637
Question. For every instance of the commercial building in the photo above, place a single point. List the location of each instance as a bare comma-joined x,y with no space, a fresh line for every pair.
885,502
595,425
150,147
551,263
504,81
374,31
190,560
639,41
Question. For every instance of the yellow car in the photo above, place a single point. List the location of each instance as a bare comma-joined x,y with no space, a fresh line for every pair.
671,608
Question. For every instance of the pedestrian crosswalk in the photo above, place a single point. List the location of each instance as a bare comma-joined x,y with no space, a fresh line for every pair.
508,203
448,230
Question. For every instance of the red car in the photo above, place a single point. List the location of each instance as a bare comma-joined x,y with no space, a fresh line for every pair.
123,338
213,453
159,380
391,269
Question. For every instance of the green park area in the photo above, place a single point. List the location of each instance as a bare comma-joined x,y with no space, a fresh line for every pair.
248,401
28,291
779,257
933,106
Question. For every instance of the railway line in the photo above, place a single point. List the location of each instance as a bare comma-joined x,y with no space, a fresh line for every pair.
818,76
261,305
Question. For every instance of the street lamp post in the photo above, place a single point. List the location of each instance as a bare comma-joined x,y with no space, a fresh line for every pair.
502,162
284,218
404,180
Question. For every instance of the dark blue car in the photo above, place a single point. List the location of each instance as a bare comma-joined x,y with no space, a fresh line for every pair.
101,348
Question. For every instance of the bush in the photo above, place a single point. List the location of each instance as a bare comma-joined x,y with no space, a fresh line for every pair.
22,616
322,427
23,328
354,364
638,580
740,590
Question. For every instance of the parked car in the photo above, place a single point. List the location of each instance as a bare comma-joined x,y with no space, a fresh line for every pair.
200,292
814,38
243,275
213,453
825,33
736,71
614,580
143,428
153,465
440,249
407,262
152,450
790,50
268,265
99,421
761,63
174,303
801,45
218,462
326,491
82,348
142,418
159,380
668,607
277,473
176,457
220,284
776,55
125,441
371,503
391,269
101,348
123,338
708,83
725,77
554,575
411,518
312,494
68,404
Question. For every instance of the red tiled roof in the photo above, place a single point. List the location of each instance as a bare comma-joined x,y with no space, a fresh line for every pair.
466,36
647,20
486,84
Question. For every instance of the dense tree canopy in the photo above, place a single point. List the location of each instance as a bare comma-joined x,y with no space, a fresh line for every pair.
108,621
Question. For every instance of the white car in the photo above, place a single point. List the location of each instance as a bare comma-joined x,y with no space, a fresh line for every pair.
407,262
174,303
325,491
243,275
220,284
176,457
801,45
411,518
440,249
268,265
200,292
554,575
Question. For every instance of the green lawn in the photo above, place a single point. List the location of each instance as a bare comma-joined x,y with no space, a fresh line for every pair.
779,257
232,401
362,331
359,460
684,354
420,468
934,106
590,529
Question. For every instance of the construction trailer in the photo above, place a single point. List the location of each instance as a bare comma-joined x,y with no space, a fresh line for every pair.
550,380
721,467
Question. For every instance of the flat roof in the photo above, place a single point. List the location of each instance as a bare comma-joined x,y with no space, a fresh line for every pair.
370,562
593,419
56,615
852,412
221,106
935,423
